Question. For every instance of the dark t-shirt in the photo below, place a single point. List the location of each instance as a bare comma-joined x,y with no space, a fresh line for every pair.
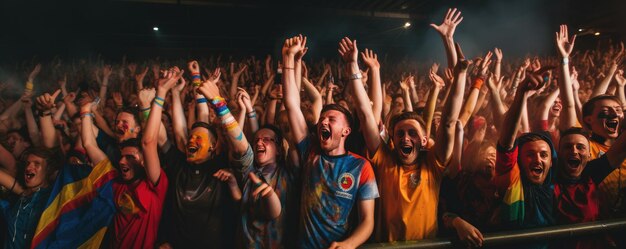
200,212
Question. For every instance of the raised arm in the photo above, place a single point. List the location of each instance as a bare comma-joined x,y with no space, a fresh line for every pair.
45,103
546,103
150,133
234,134
104,83
9,182
406,94
349,52
604,84
565,47
234,83
431,102
250,112
96,155
477,84
291,92
452,108
498,69
446,30
375,87
31,123
510,125
316,98
621,82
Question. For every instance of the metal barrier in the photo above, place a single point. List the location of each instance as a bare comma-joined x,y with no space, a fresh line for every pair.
510,237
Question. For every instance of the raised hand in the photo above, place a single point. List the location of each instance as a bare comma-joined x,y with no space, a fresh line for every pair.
292,46
46,101
436,79
169,78
303,48
563,42
245,97
209,88
484,66
34,73
117,98
132,68
227,176
106,71
619,77
146,96
348,50
462,64
370,59
498,53
450,21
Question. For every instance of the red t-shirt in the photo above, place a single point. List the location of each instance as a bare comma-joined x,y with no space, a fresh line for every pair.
139,208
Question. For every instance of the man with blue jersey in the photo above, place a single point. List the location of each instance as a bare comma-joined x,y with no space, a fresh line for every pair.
334,180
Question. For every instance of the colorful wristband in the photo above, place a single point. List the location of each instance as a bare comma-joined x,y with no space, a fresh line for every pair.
201,100
478,82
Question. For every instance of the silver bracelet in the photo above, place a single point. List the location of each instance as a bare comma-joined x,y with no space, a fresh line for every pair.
355,76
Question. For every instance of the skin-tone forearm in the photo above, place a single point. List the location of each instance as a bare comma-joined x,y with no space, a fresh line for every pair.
291,92
33,129
7,161
451,111
429,109
568,112
202,110
547,103
315,97
151,136
497,107
179,123
363,231
89,140
270,111
446,31
604,84
267,84
525,124
191,116
513,117
348,51
48,133
298,72
59,112
8,181
480,102
375,86
102,124
469,106
408,104
12,111
234,134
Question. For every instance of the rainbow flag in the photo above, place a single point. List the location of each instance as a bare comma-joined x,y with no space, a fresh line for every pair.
80,208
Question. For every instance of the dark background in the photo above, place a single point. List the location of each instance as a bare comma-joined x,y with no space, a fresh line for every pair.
41,30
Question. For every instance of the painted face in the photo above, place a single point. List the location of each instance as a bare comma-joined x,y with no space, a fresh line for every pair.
130,162
574,154
535,160
408,140
35,173
126,127
605,118
333,129
200,146
555,111
266,148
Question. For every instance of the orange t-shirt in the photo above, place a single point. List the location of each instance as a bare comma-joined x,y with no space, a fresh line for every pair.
407,207
608,189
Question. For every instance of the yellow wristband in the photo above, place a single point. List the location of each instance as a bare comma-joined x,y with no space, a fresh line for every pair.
29,85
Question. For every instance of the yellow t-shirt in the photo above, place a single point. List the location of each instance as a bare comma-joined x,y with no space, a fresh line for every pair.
407,207
608,189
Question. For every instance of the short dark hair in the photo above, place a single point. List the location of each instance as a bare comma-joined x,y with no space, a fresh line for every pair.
404,116
339,108
131,110
132,142
53,158
206,126
591,104
575,131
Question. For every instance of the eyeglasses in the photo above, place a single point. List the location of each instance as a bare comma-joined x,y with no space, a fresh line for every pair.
264,139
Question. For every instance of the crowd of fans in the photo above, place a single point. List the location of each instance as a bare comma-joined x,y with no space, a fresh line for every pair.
278,153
